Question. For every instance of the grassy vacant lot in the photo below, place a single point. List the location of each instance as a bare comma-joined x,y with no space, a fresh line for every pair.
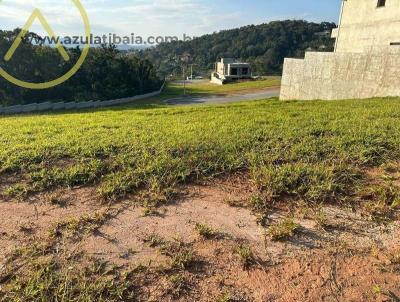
313,150
205,88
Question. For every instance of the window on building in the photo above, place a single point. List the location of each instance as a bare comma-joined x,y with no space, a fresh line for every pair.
234,71
245,71
381,3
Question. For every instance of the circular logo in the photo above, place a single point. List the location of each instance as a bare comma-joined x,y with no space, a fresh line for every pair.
72,71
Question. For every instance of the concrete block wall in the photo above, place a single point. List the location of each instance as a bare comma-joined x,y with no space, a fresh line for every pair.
84,105
44,106
29,108
70,105
48,106
58,106
365,24
13,109
334,76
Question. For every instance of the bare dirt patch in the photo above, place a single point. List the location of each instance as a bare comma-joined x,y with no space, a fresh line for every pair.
32,219
346,258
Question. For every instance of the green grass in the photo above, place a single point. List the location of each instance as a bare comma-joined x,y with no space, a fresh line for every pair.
46,281
283,229
79,227
246,255
315,150
43,273
205,231
207,88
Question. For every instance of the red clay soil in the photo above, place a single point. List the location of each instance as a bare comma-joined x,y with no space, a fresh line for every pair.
352,260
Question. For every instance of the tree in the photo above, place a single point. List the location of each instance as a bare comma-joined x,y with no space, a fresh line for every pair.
105,74
265,46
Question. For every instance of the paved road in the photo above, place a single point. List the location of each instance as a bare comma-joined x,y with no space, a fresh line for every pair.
256,95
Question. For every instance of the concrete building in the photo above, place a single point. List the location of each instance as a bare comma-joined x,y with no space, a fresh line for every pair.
365,62
229,70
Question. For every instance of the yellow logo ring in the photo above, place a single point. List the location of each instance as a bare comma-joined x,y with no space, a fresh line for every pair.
71,72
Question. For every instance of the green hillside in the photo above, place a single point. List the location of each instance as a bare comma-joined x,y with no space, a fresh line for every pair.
264,46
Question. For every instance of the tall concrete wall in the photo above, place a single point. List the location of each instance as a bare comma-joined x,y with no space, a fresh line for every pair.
333,76
366,61
364,25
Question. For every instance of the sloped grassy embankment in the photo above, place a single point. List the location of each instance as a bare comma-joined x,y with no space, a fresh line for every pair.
313,150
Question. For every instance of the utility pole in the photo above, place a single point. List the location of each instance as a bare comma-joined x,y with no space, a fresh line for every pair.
191,70
185,58
184,80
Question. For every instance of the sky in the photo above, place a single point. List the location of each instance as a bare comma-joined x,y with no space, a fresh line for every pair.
163,17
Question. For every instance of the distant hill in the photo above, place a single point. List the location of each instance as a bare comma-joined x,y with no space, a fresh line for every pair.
265,46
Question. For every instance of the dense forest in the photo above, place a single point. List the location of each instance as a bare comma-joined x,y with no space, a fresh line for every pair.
264,46
106,73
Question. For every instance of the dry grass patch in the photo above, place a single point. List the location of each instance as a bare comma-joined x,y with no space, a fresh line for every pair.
283,230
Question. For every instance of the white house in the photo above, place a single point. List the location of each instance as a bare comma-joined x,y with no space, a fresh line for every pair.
229,70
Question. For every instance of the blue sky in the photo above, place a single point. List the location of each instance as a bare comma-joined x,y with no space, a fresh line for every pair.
164,17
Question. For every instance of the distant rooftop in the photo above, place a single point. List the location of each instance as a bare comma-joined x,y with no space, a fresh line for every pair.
231,61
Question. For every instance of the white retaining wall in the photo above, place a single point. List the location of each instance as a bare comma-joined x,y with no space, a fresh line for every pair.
48,106
216,80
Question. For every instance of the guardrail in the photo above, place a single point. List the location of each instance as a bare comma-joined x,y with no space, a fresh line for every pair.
49,106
